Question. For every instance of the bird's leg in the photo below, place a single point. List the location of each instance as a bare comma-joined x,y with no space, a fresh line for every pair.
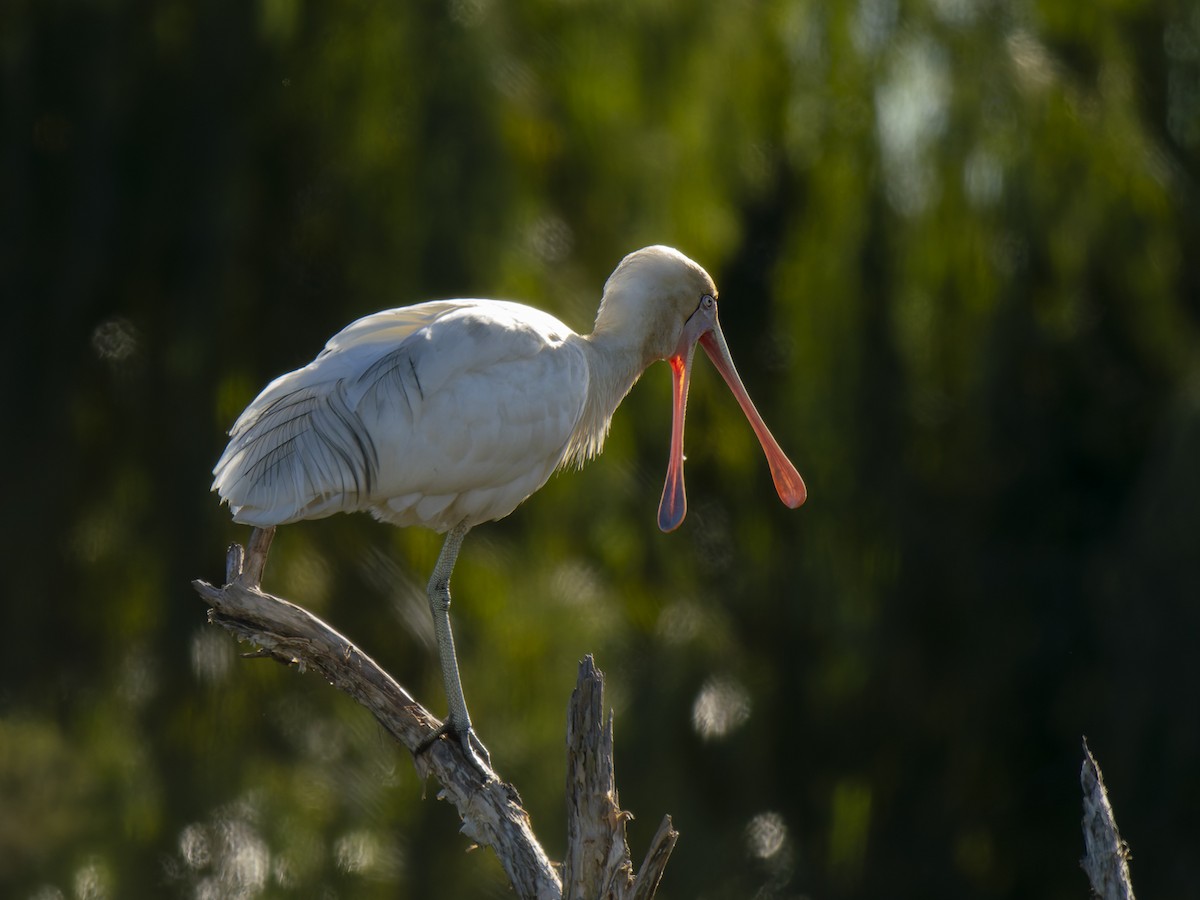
458,722
256,555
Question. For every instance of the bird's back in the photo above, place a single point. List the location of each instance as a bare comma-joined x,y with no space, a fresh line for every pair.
428,415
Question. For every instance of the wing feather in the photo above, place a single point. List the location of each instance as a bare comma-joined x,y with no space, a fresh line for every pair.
424,414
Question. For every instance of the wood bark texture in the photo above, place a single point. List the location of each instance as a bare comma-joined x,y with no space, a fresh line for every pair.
598,863
1106,856
597,855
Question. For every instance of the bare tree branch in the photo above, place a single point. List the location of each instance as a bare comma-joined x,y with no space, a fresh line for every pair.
598,864
491,811
1106,857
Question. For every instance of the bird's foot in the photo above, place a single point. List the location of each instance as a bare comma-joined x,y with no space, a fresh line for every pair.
477,753
471,745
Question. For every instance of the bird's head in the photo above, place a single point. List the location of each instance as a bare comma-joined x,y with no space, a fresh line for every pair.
667,304
650,296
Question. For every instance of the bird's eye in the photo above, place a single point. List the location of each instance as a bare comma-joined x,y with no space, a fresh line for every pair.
708,301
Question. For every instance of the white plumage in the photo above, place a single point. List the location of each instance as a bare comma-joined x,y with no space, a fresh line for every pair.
450,413
422,415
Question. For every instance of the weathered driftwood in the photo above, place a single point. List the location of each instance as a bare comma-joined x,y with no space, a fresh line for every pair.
598,862
1106,856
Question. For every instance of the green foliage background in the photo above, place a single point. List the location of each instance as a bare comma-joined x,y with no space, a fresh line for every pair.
956,242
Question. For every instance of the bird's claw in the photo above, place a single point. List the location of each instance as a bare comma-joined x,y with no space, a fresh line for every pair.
472,746
477,753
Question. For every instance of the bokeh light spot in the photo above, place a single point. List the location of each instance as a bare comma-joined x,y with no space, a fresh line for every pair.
115,340
212,655
765,835
721,707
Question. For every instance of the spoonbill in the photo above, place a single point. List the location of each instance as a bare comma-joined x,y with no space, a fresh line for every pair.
450,413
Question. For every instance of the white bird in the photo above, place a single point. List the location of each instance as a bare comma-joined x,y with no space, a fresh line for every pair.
450,413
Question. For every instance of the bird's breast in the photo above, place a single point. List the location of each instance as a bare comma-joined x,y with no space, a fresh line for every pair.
476,447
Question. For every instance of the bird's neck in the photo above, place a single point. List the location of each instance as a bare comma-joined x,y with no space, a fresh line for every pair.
614,367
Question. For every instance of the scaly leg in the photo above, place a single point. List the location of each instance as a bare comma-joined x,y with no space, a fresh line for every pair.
458,722
256,553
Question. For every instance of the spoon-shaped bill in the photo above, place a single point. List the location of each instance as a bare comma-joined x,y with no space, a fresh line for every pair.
673,505
788,483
